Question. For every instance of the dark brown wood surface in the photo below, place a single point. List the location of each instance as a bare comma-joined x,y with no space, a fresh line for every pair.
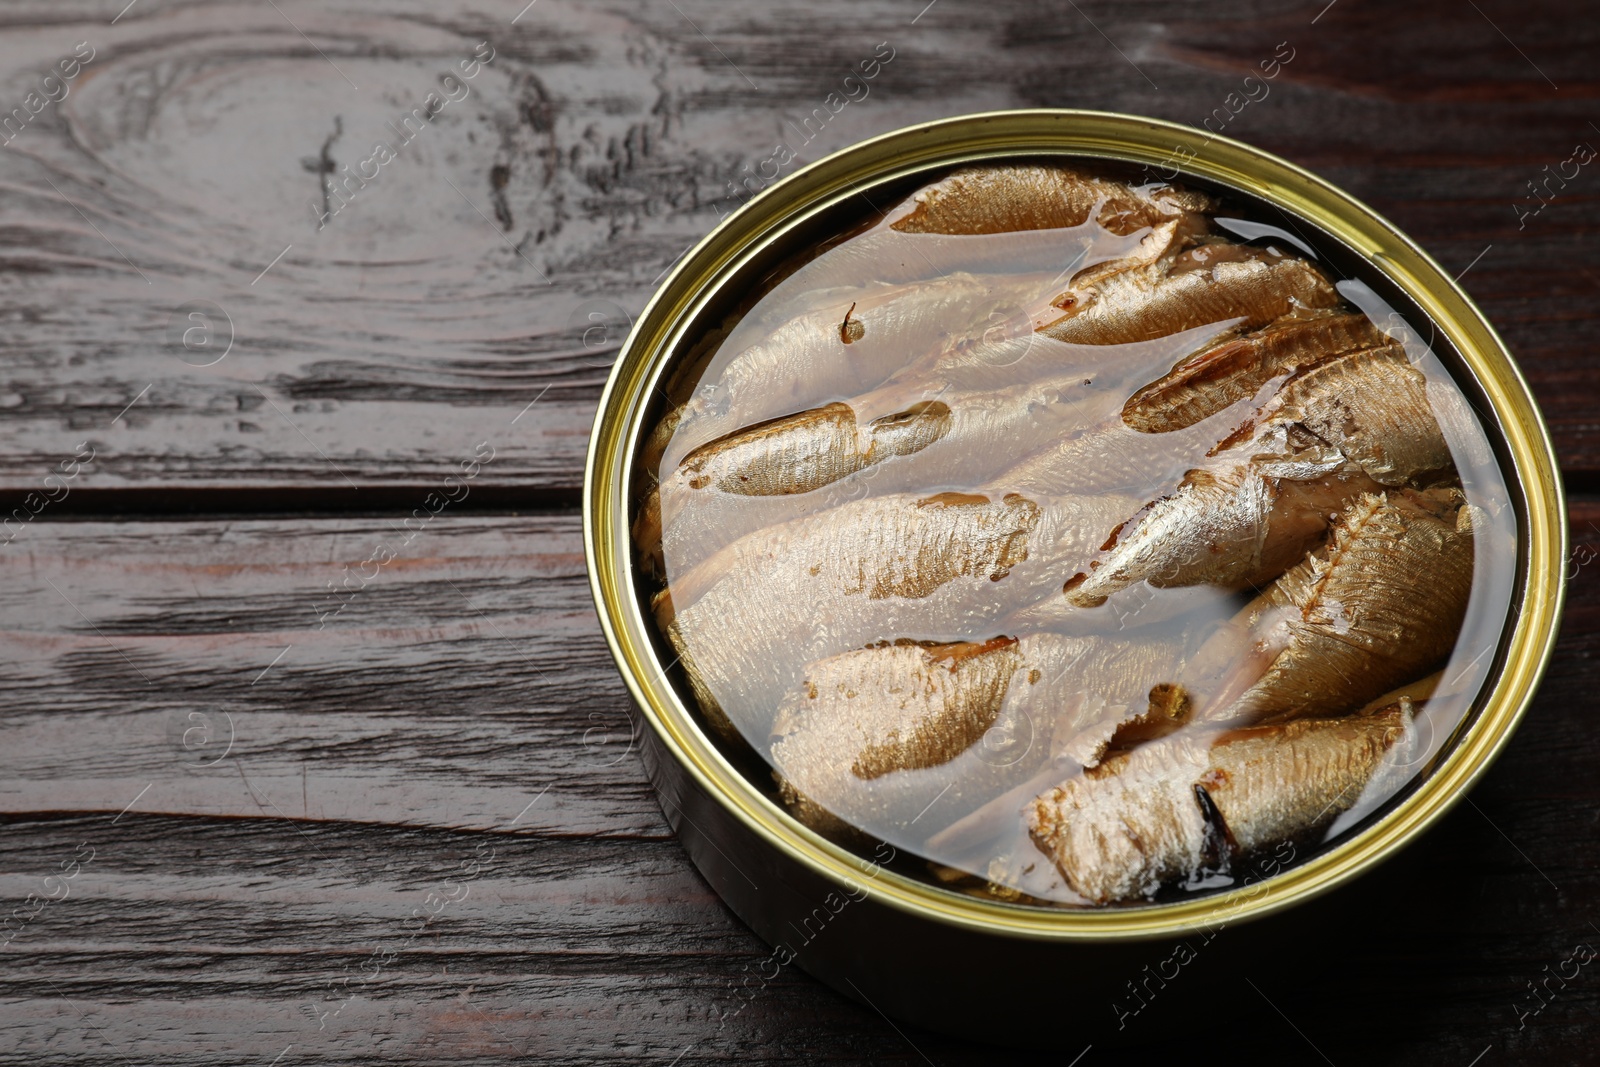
254,793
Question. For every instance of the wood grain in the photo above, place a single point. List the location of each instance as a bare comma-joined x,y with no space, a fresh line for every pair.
500,256
140,652
273,794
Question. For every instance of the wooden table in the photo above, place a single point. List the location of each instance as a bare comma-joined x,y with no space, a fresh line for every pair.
255,721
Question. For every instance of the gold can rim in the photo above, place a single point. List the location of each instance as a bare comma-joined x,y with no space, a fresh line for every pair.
900,155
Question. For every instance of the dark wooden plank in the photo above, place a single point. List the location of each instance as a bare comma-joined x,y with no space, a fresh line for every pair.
210,942
380,752
449,688
495,261
591,151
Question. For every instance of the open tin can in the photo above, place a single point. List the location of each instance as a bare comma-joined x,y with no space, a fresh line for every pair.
868,918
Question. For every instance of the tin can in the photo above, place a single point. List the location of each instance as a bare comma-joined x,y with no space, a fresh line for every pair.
910,949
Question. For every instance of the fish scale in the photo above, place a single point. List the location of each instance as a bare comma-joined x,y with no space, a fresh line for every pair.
1253,285
1237,366
1122,831
871,737
1265,498
998,199
1381,604
882,568
807,360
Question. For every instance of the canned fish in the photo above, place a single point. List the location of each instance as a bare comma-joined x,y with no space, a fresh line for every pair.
1003,528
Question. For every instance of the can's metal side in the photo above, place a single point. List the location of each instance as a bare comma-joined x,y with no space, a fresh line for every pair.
1018,992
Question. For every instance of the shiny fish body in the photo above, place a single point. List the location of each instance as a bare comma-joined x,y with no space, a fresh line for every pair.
726,489
860,717
1338,429
1241,284
720,491
1162,241
1240,526
882,258
1379,605
745,327
1235,368
837,611
1373,407
838,351
995,339
872,737
997,199
1120,832
749,618
811,448
765,346
1111,457
1276,783
955,412
1094,453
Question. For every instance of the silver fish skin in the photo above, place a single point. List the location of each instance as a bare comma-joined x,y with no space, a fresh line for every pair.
1001,336
961,411
1379,605
1121,831
998,199
1214,282
748,325
880,257
1341,428
838,351
990,335
883,256
1277,783
1237,366
1238,526
746,481
1145,224
1110,457
1101,454
804,463
860,717
873,737
1372,405
748,619
1137,609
